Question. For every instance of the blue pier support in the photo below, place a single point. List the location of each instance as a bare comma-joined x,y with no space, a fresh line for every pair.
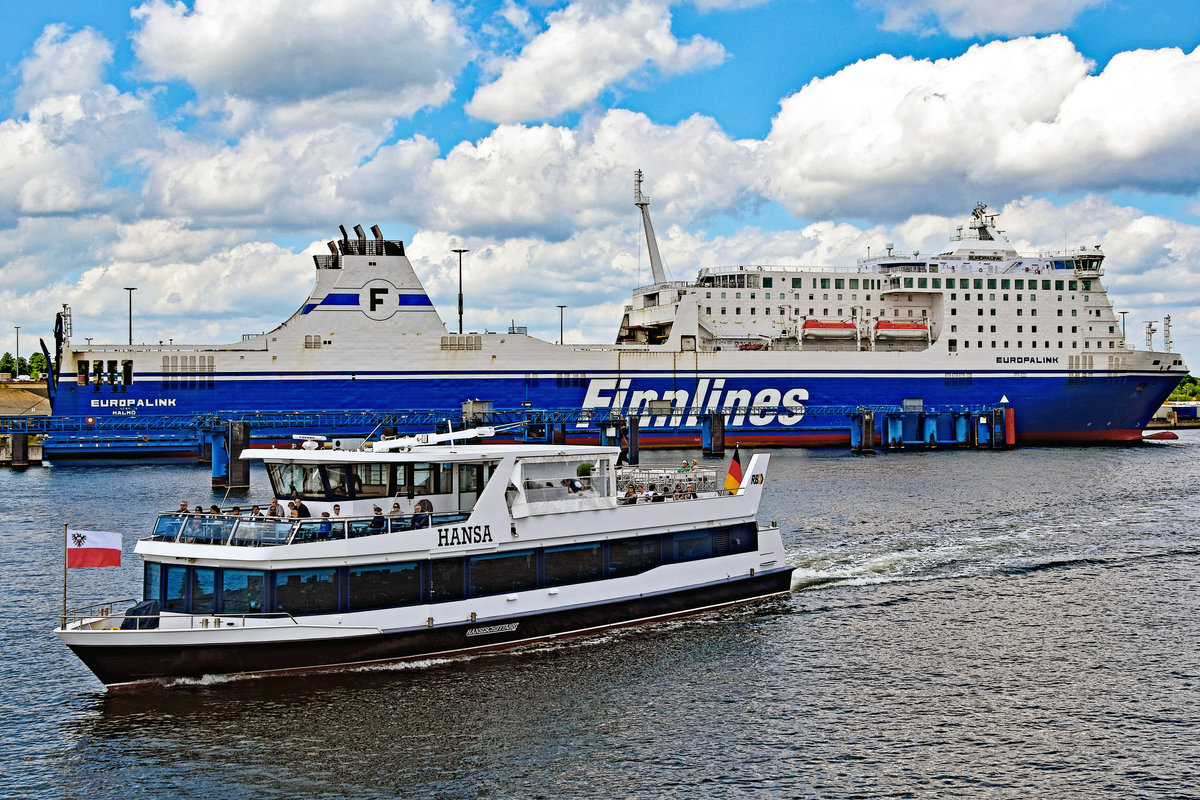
214,442
893,425
712,434
961,422
929,430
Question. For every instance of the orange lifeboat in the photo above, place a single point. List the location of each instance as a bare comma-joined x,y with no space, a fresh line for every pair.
887,329
819,329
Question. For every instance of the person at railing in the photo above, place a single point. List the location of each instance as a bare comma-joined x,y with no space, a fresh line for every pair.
183,507
377,521
690,492
198,510
275,510
236,511
325,528
574,485
337,510
301,509
255,511
421,513
214,509
630,496
396,509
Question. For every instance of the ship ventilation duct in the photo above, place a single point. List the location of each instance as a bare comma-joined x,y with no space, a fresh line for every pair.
362,239
378,238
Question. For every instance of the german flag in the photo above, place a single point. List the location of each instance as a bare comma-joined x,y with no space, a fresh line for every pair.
734,479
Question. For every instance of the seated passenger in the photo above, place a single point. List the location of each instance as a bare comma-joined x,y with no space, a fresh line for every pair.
630,496
574,485
325,528
378,522
183,507
421,514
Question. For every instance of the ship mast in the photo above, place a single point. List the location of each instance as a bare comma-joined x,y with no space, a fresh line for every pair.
643,202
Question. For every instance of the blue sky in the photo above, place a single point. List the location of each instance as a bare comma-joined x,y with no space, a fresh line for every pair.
200,151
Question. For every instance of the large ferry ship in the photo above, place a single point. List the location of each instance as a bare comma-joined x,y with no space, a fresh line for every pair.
780,351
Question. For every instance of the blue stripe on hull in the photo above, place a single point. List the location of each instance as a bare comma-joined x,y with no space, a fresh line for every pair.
1044,405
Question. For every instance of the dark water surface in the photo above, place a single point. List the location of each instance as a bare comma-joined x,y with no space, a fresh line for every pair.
964,624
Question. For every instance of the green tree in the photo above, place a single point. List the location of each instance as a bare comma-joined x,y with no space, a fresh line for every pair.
37,365
1188,389
6,363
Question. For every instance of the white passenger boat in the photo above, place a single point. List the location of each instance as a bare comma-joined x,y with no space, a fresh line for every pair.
490,546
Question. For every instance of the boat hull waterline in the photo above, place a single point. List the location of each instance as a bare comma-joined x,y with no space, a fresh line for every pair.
128,666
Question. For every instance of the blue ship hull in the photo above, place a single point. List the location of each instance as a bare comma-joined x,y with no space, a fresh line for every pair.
1049,409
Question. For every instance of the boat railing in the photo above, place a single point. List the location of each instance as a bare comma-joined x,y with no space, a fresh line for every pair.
690,483
242,531
100,616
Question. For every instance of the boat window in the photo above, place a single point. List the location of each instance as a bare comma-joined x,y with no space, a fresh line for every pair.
204,590
341,479
500,573
167,527
470,483
318,530
631,556
151,581
743,538
306,591
289,480
574,564
370,480
690,545
446,580
384,586
260,532
243,591
82,378
175,594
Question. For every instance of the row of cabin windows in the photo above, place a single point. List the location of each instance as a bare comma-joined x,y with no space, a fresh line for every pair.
953,344
94,371
823,283
349,481
992,283
328,590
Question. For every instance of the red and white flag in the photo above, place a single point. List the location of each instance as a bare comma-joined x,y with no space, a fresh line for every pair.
93,549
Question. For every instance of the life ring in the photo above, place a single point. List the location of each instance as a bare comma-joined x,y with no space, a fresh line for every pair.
90,420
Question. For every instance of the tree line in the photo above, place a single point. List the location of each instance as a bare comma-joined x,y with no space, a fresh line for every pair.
34,366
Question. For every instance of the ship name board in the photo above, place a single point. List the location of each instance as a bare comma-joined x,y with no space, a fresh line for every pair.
1026,359
679,406
140,402
464,534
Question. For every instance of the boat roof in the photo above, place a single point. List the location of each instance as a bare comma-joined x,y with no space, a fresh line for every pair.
437,453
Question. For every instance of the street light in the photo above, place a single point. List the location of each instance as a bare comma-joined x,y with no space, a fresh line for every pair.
460,251
17,363
131,290
560,324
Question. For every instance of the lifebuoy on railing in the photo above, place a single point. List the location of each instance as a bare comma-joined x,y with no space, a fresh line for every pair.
90,420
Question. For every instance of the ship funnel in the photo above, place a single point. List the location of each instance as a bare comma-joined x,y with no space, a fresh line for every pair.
378,236
362,240
333,248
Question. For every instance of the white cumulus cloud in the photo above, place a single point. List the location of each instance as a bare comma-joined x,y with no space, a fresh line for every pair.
587,47
970,18
306,60
888,137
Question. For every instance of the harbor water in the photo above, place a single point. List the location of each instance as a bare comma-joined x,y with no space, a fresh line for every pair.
974,624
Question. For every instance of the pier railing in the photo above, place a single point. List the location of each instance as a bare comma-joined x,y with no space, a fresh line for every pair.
101,614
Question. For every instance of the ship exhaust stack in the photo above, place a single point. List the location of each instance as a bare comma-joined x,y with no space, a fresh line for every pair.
378,234
643,202
362,239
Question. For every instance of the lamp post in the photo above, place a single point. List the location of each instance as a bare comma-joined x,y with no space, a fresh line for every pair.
1122,313
17,363
131,290
560,324
460,251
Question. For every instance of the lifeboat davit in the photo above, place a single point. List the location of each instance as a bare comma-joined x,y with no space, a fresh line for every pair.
887,329
819,329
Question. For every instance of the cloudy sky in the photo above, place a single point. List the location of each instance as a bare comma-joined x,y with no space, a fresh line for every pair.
200,151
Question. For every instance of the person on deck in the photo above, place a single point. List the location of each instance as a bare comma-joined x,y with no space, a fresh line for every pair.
301,509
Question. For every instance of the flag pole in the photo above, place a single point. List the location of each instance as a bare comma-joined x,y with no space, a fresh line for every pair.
64,614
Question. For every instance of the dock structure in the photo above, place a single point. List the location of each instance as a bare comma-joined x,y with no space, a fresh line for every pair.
914,426
219,437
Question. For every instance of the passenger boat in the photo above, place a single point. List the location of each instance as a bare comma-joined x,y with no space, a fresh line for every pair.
494,547
781,351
